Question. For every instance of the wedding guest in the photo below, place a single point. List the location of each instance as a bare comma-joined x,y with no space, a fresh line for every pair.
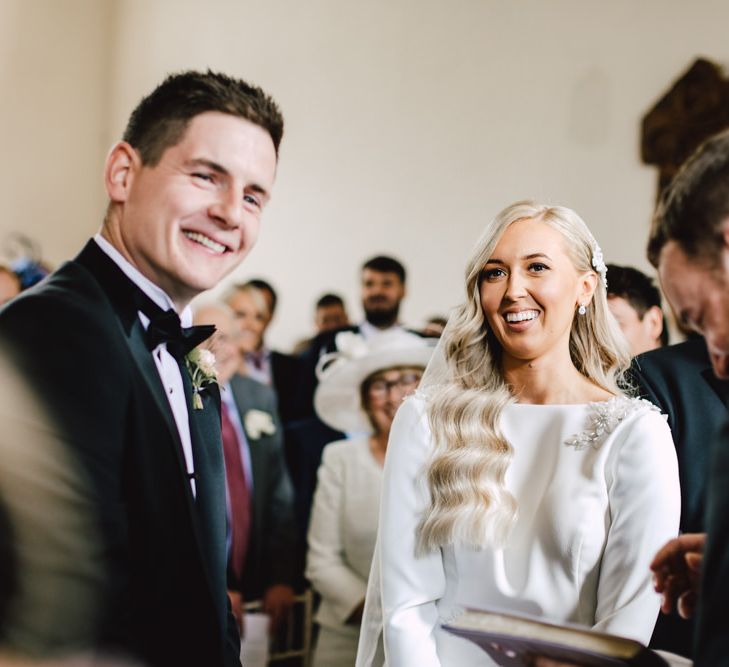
382,289
269,294
635,303
330,314
360,391
253,311
434,326
105,343
520,476
258,489
689,245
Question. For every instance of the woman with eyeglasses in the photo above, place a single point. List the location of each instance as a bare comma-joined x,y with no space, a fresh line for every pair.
359,393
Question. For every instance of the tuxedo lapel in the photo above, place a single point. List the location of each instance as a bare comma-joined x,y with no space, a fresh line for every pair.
125,297
207,451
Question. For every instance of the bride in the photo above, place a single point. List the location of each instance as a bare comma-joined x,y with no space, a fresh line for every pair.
520,476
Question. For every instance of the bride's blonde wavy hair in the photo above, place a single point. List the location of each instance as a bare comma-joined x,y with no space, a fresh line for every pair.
469,501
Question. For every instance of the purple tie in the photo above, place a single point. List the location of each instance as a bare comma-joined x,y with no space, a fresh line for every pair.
240,501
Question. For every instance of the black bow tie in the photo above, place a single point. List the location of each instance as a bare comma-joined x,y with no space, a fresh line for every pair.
165,327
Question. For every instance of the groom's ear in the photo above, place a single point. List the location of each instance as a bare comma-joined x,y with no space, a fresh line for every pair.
122,163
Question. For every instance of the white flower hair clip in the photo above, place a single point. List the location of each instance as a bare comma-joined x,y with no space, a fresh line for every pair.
599,263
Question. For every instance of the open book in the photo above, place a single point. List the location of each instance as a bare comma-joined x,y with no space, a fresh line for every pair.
512,639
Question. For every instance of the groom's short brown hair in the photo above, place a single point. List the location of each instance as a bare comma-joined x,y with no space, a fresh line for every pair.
161,118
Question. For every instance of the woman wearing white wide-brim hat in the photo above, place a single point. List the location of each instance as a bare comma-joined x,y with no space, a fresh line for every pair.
361,387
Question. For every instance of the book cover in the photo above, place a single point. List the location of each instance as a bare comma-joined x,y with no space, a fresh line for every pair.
513,639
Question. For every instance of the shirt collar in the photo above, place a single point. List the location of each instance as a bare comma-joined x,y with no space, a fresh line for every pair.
157,294
370,331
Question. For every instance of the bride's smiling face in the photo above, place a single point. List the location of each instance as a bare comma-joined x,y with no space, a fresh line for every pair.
530,290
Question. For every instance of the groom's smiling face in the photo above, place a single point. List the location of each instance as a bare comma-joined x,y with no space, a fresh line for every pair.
190,219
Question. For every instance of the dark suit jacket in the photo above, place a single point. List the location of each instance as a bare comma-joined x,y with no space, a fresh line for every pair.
712,628
78,339
285,381
680,381
271,551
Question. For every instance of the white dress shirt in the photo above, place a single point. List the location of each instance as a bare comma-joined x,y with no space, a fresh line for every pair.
169,371
369,331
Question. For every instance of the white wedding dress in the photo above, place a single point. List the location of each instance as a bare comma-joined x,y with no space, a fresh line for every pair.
598,494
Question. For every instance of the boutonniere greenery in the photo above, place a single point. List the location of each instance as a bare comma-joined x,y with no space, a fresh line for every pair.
258,423
200,364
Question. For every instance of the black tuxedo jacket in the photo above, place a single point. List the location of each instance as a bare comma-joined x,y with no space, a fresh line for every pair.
77,337
712,633
680,381
271,556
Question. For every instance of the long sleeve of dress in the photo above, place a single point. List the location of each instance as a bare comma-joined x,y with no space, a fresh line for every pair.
644,504
326,565
411,584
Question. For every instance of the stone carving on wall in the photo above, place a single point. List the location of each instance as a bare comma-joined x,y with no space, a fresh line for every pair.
694,108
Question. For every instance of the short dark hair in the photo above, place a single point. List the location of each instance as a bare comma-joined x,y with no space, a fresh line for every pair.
694,207
385,264
161,118
265,286
637,289
329,299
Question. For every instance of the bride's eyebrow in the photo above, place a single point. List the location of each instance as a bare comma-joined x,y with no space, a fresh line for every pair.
534,255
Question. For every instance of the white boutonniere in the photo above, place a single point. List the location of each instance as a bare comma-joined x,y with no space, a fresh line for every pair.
200,364
258,423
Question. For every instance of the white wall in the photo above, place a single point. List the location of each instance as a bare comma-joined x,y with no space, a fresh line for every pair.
54,117
410,123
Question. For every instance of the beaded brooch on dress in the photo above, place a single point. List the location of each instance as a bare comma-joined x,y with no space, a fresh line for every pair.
603,418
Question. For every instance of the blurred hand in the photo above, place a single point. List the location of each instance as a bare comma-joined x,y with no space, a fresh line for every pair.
236,606
355,618
677,572
277,602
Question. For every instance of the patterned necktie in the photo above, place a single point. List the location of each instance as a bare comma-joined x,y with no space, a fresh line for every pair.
240,501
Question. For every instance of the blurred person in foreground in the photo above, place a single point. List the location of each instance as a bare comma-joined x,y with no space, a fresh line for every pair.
689,245
360,391
635,303
259,496
50,575
105,342
9,284
520,476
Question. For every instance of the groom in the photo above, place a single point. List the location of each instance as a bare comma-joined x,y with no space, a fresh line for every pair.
105,344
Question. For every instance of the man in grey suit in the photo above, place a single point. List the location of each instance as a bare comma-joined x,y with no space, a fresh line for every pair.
265,567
